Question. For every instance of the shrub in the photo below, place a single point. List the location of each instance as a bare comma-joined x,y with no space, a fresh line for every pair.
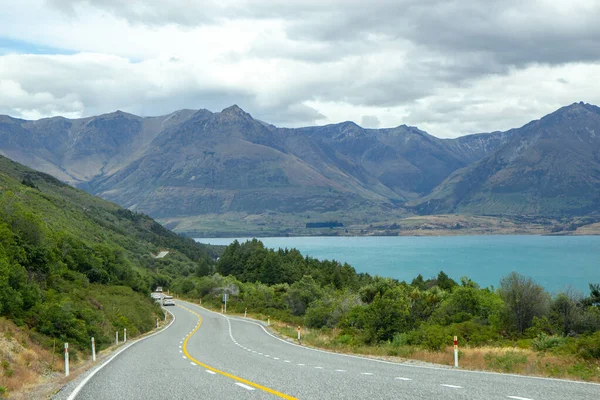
431,337
546,342
589,347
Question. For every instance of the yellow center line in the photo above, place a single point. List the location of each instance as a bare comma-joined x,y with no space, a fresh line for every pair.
208,367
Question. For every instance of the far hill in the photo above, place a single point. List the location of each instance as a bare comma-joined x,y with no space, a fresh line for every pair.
549,167
193,170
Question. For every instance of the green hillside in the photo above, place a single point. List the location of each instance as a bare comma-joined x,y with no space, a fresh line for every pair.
74,266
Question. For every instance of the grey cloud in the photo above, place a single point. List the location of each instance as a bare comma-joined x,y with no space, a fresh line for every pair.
370,121
504,33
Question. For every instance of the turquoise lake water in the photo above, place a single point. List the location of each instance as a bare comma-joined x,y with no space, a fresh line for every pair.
555,262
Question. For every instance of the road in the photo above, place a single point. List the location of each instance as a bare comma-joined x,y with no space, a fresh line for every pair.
207,355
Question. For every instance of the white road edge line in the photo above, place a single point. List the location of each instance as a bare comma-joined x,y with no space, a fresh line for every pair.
240,384
518,398
78,388
389,362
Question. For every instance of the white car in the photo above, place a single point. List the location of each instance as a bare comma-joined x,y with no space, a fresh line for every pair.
168,301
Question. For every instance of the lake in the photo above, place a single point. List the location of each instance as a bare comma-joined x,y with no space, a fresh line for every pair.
555,262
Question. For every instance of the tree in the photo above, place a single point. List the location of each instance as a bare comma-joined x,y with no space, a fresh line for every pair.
523,300
302,293
564,312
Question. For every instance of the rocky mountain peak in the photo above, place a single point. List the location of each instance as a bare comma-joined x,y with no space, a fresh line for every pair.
235,111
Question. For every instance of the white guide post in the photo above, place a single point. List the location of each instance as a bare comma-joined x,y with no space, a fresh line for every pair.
124,335
298,332
117,337
268,320
66,359
157,322
245,312
93,349
455,352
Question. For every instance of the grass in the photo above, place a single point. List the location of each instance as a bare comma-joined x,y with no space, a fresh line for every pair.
487,358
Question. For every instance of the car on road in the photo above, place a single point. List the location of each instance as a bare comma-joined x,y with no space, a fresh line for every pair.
168,301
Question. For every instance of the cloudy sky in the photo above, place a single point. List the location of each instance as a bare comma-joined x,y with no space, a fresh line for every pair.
450,67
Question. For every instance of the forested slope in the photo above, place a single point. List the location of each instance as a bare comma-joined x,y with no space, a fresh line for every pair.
74,266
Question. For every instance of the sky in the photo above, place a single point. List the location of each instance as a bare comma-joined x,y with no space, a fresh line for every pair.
449,67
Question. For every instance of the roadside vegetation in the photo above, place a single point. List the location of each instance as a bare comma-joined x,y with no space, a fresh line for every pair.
74,267
517,327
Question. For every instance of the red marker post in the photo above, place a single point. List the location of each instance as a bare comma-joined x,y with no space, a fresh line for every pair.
455,352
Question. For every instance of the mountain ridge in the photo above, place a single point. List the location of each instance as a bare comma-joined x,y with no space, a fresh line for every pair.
193,163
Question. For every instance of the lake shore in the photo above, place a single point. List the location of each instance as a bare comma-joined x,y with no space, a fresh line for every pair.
431,225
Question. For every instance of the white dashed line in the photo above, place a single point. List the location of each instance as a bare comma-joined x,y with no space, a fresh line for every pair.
184,356
366,373
179,346
286,361
266,355
275,358
301,365
240,384
318,367
340,370
193,363
181,351
452,386
210,372
403,379
518,398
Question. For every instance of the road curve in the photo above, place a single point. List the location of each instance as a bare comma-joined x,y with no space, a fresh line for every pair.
207,355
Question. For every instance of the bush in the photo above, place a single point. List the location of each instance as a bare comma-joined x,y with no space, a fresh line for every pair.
431,337
589,347
546,342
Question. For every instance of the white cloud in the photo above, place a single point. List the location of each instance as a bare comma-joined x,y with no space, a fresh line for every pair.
449,67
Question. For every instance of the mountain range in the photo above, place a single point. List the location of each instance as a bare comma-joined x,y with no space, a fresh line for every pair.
199,171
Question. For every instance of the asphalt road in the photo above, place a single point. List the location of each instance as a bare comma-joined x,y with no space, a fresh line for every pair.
209,356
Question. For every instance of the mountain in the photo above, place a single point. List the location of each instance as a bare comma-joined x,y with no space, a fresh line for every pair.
188,165
548,167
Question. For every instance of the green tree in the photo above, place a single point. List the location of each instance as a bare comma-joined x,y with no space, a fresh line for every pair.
523,300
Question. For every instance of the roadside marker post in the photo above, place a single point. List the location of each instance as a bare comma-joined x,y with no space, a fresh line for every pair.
93,349
298,332
66,359
225,297
156,323
124,335
245,312
455,352
117,338
268,320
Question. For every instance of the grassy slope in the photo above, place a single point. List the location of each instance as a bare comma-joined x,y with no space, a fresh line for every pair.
74,266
